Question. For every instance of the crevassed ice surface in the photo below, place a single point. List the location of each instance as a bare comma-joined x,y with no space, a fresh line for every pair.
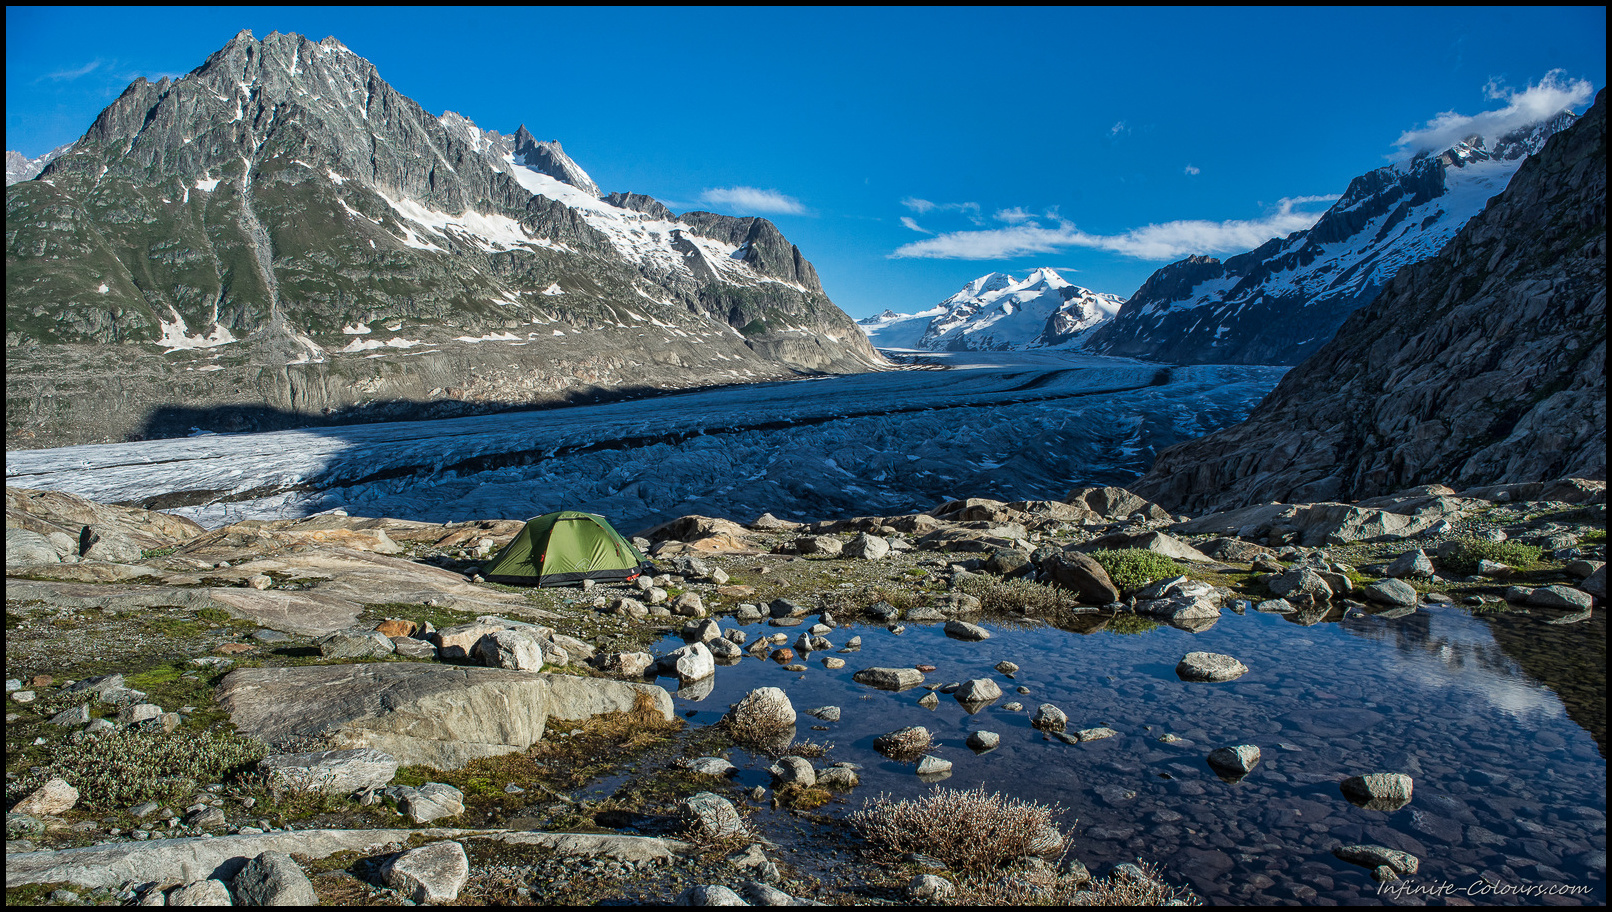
1010,425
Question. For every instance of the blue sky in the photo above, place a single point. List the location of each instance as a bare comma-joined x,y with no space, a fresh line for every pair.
908,151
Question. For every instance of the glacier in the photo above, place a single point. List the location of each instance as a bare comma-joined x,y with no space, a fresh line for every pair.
1008,425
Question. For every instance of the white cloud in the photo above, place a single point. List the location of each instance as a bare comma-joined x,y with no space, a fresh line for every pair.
1014,216
84,70
1192,170
1118,128
919,206
922,206
1530,106
750,199
908,222
1161,242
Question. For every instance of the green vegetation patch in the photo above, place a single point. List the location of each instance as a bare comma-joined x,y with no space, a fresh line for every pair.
1464,557
123,768
1127,624
1133,568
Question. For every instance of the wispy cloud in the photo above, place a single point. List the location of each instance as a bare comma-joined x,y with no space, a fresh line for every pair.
68,75
751,199
1192,170
1161,242
907,221
1014,216
1531,105
1119,128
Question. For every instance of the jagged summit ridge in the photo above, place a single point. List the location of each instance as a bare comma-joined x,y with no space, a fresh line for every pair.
998,312
1278,303
283,205
1485,364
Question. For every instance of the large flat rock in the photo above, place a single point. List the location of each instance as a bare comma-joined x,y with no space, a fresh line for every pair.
442,716
221,857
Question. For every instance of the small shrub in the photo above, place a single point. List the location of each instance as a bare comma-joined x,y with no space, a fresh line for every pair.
802,797
213,615
1047,886
1133,568
968,830
124,768
1464,557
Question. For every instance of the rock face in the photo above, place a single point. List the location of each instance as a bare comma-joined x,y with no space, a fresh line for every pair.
310,216
433,715
1485,364
1279,303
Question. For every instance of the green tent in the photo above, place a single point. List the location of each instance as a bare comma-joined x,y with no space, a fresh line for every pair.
558,549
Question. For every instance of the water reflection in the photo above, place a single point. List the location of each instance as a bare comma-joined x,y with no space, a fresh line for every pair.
1506,784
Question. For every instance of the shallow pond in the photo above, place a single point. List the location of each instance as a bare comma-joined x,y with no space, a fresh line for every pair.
1510,791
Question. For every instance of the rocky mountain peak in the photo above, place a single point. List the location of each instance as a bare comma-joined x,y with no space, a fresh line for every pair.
550,159
1482,365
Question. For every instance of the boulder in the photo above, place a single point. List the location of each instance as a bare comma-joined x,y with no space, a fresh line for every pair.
962,630
1379,791
1391,592
838,777
201,893
978,690
432,801
1115,503
1410,565
1300,581
797,770
904,742
710,816
819,546
1371,856
1238,759
334,772
867,547
273,879
355,643
983,740
889,678
513,648
693,662
421,713
1564,597
765,708
431,873
1049,718
930,889
933,766
1209,666
458,641
1080,573
1180,608
56,796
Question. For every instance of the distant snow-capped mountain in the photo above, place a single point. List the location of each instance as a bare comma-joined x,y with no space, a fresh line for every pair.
998,312
1280,302
20,167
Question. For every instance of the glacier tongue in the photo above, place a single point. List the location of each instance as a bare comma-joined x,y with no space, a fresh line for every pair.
1007,425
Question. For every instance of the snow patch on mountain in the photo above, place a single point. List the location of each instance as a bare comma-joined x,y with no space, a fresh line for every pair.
997,312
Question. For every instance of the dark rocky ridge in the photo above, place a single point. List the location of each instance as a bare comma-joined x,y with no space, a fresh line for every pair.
1259,315
266,197
1486,364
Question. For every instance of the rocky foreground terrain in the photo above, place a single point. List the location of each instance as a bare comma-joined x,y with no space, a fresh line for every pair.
339,710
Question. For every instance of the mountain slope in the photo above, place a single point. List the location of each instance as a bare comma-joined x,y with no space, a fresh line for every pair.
19,167
997,312
1281,302
1484,365
280,237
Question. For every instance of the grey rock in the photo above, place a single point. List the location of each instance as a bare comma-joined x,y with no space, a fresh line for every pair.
1299,581
433,873
423,714
624,664
201,893
794,769
273,879
711,766
867,547
765,708
1080,573
1412,565
978,690
1371,856
1379,791
56,796
1564,597
962,630
514,649
1391,592
341,772
709,895
429,802
836,777
826,713
711,816
1238,759
889,678
908,741
931,766
693,662
930,888
1210,667
983,740
1049,718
